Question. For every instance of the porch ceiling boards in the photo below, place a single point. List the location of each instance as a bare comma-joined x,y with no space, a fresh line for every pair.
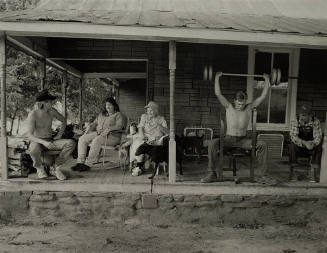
291,17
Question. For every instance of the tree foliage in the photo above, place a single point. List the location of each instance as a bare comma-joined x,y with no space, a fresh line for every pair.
23,81
22,84
15,5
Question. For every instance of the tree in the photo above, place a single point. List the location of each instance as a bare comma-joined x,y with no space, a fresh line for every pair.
23,81
22,84
15,5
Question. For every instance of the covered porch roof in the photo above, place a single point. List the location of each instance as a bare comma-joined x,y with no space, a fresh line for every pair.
213,21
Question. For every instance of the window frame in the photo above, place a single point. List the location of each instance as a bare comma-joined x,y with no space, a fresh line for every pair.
294,57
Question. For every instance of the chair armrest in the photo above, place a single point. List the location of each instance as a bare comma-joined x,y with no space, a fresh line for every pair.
117,131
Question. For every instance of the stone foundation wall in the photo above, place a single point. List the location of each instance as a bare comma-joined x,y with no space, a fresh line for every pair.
164,209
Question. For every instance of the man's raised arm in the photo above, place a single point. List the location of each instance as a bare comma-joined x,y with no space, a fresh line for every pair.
264,93
220,96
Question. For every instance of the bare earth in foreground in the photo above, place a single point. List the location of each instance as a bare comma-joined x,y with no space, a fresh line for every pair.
77,237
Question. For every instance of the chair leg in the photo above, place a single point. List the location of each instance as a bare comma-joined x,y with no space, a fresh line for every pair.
103,155
291,175
251,170
230,159
234,166
164,168
312,176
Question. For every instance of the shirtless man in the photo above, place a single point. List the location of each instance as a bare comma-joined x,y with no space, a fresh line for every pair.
40,134
237,120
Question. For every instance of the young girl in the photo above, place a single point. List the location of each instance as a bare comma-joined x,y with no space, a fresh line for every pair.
132,137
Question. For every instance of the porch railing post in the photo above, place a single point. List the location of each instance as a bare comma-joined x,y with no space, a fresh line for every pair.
80,112
3,138
64,85
42,69
323,170
172,142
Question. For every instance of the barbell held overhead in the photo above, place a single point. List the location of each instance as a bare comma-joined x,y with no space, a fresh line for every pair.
275,76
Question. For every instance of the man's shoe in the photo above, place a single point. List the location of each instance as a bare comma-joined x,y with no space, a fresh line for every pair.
52,171
76,167
41,173
312,175
80,167
84,167
292,177
210,178
58,174
136,171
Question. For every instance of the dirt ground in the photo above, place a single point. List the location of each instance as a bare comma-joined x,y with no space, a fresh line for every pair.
133,237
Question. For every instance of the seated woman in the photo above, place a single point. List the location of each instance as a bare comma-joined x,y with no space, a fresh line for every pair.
152,128
108,123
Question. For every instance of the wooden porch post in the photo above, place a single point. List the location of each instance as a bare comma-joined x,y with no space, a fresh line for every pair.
3,138
64,85
81,87
42,70
172,142
323,166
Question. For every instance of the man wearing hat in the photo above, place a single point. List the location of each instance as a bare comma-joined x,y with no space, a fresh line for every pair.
40,134
306,136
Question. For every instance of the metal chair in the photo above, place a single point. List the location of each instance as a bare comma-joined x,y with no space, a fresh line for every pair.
236,152
304,166
113,149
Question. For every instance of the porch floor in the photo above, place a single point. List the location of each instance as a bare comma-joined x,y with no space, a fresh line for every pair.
112,178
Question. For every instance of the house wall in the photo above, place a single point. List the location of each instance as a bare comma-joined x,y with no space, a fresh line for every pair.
195,102
312,86
132,97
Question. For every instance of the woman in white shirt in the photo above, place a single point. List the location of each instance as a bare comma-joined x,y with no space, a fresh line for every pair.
152,128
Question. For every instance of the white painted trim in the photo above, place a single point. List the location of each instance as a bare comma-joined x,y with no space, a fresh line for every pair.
26,46
194,35
65,67
117,75
3,111
250,79
187,188
97,59
291,99
294,82
172,83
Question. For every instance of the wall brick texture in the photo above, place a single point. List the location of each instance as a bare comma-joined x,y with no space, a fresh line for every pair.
195,102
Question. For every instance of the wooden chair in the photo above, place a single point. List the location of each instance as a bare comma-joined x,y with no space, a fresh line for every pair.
236,152
304,162
48,158
105,149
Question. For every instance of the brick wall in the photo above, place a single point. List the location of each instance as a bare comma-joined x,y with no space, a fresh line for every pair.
312,86
195,102
132,97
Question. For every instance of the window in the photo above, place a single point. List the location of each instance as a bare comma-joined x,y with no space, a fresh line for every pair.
276,110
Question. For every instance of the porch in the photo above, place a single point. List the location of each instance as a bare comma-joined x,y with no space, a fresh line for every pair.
108,196
172,59
111,178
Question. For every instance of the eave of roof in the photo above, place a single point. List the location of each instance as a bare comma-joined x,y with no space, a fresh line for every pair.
227,21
